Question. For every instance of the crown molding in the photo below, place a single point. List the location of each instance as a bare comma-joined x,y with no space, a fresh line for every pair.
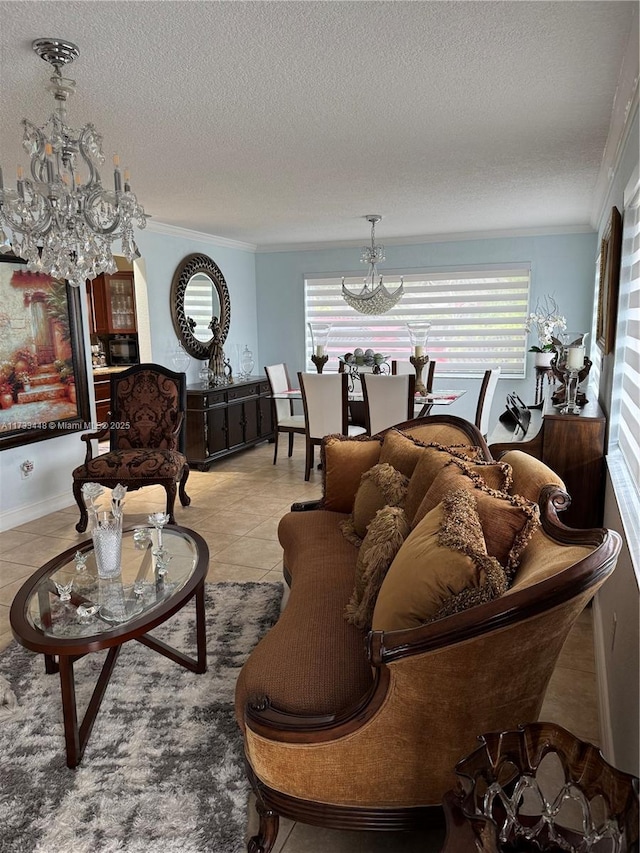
624,110
462,236
199,236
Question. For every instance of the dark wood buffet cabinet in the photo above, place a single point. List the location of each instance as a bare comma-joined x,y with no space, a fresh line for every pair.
573,446
224,419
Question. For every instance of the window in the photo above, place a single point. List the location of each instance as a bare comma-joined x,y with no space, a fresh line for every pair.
477,318
625,415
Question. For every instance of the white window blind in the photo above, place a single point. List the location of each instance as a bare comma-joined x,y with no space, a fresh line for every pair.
625,432
477,318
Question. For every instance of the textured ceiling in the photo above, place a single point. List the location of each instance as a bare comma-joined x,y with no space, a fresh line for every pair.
286,122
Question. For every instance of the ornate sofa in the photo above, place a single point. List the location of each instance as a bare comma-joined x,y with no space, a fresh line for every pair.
357,705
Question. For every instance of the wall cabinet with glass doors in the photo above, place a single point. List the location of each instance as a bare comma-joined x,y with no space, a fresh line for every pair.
112,304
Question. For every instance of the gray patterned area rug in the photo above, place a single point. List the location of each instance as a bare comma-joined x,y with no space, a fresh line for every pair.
163,769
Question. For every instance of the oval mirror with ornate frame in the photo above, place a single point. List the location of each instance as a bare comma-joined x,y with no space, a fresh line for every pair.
198,293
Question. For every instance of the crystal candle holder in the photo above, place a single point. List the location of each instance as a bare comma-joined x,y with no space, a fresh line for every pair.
418,333
319,341
573,362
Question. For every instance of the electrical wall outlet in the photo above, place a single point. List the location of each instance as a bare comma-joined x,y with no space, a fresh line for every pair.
26,468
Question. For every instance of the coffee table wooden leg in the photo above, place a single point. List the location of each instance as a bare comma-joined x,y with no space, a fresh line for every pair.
69,711
201,631
197,664
76,737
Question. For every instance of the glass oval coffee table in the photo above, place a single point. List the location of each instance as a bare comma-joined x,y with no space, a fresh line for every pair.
65,611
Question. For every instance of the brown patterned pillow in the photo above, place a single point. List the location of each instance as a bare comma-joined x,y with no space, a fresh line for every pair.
344,461
508,521
383,540
403,452
380,486
433,460
442,568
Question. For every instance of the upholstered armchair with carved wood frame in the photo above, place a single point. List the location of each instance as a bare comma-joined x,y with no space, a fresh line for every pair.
146,432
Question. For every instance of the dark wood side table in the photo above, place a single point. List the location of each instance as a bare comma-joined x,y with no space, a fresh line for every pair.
126,608
572,446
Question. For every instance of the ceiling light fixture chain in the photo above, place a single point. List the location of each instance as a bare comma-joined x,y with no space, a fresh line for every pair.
373,298
58,223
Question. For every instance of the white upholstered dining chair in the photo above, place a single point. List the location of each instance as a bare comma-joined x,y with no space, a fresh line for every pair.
283,418
324,398
388,400
485,398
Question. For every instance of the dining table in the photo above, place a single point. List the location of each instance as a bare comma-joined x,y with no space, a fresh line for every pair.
423,402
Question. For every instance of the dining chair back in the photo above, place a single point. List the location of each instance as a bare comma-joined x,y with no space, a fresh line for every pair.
325,401
284,419
388,400
485,398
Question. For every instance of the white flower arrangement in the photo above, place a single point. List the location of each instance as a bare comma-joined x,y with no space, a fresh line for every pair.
544,321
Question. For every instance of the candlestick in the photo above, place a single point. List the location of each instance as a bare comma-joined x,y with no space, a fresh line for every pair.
419,363
575,357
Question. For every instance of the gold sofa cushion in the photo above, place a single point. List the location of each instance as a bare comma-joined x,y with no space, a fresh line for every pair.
508,521
404,451
433,460
442,568
385,535
344,461
380,486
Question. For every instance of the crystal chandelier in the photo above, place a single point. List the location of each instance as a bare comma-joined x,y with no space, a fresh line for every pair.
59,224
373,298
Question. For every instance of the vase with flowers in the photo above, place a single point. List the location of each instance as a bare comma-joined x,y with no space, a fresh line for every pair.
545,321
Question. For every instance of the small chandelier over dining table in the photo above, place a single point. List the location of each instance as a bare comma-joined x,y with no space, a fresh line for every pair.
373,298
62,224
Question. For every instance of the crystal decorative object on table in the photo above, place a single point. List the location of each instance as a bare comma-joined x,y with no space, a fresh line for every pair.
247,363
159,520
62,221
107,544
180,358
64,590
205,375
106,528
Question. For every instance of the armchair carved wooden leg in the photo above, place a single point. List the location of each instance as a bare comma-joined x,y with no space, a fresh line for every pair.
171,490
81,526
185,500
268,831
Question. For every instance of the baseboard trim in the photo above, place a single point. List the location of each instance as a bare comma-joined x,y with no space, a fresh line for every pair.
35,509
604,710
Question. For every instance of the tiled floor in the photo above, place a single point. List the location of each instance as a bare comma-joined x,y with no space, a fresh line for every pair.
236,507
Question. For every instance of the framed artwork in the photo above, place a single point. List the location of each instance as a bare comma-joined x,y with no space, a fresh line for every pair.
608,282
43,370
